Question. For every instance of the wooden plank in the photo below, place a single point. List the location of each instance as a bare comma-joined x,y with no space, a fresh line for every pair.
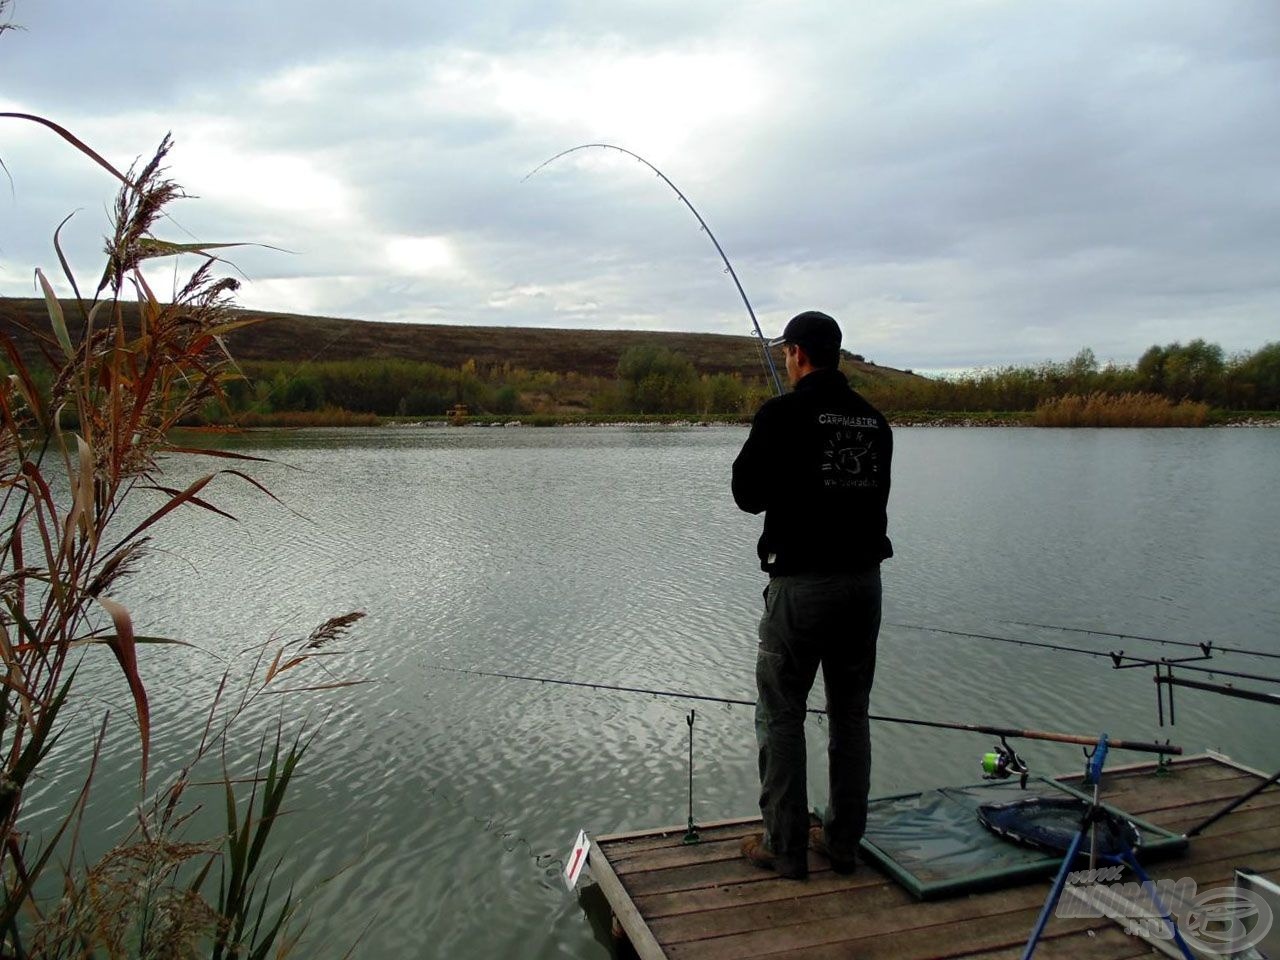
671,841
695,877
637,931
715,847
1107,942
1151,791
679,831
718,872
739,894
1148,802
763,916
1240,844
663,859
1200,768
1155,786
908,914
1201,811
1244,817
1149,766
1223,758
1222,871
956,931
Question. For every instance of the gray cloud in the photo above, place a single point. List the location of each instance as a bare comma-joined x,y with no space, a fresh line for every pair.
962,183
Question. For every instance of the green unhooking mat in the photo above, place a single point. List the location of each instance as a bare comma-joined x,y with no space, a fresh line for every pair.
933,843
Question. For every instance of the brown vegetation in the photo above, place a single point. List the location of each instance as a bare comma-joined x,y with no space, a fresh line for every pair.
1120,410
77,444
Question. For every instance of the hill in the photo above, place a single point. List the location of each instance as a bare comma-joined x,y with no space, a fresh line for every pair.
297,338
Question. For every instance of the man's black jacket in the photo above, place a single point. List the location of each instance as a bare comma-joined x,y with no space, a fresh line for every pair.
817,462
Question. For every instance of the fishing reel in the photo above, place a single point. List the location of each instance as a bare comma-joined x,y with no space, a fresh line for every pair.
1004,762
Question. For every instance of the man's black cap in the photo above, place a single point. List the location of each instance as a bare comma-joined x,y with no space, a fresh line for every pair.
810,329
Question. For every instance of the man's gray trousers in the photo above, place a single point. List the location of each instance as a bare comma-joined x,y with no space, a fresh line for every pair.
812,620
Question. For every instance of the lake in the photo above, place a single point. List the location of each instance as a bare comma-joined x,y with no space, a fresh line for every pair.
430,817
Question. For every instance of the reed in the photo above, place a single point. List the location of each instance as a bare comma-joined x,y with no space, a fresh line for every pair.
1119,410
65,550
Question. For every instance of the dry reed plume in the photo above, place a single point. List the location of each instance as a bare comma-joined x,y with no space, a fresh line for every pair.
64,550
1119,410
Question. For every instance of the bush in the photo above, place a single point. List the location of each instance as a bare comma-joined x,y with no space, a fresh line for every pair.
1253,381
505,400
657,380
723,393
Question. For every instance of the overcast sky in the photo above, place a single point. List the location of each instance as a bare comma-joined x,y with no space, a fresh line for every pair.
961,183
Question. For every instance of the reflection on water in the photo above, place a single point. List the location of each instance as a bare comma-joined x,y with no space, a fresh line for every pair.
434,806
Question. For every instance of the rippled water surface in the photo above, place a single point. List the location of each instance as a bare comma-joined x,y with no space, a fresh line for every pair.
430,814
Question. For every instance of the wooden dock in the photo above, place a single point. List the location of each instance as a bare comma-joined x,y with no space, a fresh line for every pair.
704,901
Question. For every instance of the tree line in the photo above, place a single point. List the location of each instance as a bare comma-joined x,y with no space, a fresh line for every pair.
651,379
1197,371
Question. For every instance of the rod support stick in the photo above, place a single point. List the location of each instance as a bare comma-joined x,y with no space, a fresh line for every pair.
691,835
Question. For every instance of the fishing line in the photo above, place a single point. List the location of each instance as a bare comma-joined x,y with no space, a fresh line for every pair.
764,344
493,825
1135,636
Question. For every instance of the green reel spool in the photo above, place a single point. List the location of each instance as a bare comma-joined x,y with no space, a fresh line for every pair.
1003,762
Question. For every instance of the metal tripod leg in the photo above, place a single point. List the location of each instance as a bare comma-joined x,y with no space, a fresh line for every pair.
1059,884
1093,776
1054,893
1165,912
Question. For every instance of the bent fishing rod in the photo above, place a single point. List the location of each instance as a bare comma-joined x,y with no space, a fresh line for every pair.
764,344
1014,732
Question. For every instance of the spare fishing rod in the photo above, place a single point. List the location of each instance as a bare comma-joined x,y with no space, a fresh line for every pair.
764,344
1205,645
1119,659
1003,732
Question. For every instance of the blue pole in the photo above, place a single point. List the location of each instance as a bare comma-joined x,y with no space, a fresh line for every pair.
1092,777
1059,882
1165,912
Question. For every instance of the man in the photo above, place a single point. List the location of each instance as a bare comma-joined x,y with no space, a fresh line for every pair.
817,463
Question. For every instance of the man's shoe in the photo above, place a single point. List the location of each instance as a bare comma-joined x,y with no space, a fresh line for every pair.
818,841
753,849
